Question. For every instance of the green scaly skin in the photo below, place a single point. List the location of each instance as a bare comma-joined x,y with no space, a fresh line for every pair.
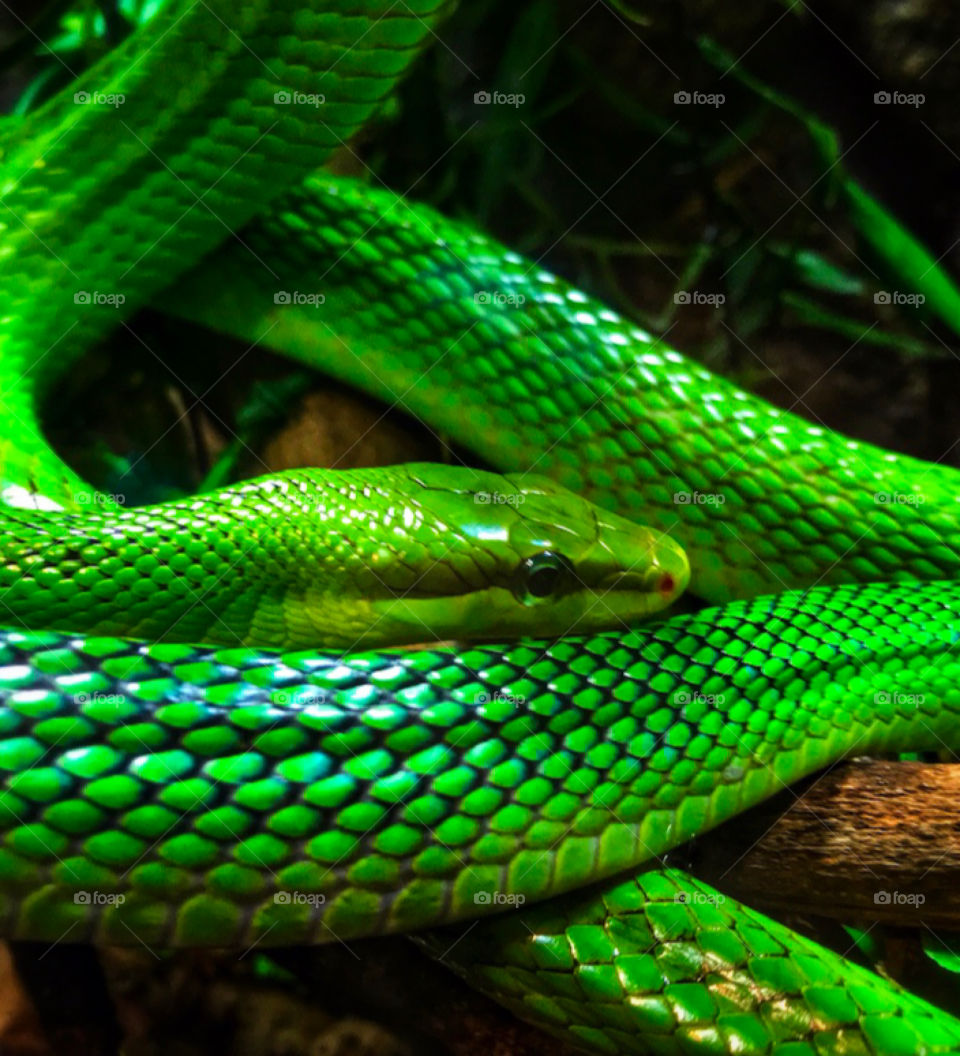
286,561
662,963
222,794
233,797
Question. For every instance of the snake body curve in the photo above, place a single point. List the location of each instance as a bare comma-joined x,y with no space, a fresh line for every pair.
177,176
187,796
547,377
205,786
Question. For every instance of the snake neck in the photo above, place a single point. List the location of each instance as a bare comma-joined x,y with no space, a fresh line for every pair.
275,562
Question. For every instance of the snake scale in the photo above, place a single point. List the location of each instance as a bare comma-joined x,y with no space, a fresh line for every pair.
221,794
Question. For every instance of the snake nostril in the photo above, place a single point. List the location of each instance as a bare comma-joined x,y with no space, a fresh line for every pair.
667,583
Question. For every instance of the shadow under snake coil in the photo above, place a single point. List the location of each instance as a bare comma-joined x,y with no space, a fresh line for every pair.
180,794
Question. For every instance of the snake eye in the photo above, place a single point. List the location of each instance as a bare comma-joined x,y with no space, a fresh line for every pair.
545,574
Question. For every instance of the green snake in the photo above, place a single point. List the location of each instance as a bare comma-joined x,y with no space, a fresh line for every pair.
178,794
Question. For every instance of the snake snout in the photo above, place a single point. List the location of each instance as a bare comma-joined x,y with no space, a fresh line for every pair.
661,572
671,572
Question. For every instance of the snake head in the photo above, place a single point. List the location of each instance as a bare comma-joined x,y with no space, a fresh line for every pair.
493,556
353,558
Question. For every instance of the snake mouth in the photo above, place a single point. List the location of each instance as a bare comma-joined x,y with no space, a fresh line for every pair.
667,585
662,580
652,581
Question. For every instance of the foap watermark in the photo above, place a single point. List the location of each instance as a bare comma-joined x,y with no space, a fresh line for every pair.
289,98
699,898
499,498
912,300
112,300
900,700
698,498
98,898
502,297
686,696
296,297
298,898
98,498
312,696
113,99
112,700
498,898
898,898
515,700
899,498
484,98
914,99
714,300
714,99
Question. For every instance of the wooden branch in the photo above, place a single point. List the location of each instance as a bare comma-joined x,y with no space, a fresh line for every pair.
869,840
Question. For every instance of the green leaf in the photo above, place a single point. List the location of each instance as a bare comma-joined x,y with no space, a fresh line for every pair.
944,953
816,271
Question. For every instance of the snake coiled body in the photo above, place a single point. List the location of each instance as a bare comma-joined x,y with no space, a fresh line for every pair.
400,786
190,794
548,378
178,175
232,797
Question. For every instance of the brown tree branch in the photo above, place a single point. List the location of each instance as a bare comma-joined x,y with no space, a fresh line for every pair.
870,840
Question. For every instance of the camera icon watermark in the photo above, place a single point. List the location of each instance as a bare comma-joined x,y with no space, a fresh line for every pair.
698,498
714,99
113,99
898,898
299,898
498,898
713,300
98,898
110,700
700,898
291,98
900,700
111,300
302,699
99,498
485,98
899,498
515,700
501,297
914,99
686,696
499,498
911,300
296,297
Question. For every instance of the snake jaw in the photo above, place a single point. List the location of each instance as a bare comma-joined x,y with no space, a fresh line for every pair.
660,583
625,574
